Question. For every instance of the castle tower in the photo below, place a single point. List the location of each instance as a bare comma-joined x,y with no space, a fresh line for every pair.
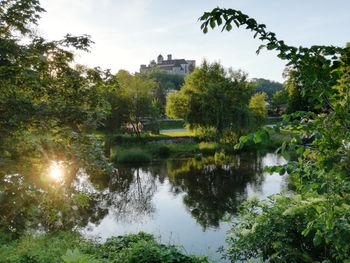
160,59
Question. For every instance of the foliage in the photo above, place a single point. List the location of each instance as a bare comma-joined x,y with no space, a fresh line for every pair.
167,124
279,102
176,105
133,156
313,225
71,248
207,134
267,86
213,97
257,104
46,248
47,106
134,102
160,150
166,83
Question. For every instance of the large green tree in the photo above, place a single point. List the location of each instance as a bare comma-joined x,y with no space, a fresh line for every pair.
213,97
49,107
42,96
134,102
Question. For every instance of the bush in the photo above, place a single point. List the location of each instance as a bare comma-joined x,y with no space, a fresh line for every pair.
229,137
207,148
46,248
71,248
133,156
160,150
291,229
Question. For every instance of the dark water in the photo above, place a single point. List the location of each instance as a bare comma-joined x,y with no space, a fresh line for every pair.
183,202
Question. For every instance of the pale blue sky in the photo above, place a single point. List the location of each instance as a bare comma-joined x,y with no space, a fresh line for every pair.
132,32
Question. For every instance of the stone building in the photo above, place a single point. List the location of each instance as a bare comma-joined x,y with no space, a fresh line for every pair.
170,65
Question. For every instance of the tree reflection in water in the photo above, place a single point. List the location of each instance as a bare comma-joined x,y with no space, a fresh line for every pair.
214,188
130,193
31,200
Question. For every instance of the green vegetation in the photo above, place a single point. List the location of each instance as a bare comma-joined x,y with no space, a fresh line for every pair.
313,224
133,103
178,133
267,86
279,103
213,97
171,124
54,114
68,247
257,104
132,156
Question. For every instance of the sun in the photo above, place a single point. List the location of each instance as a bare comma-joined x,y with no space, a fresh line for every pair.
56,171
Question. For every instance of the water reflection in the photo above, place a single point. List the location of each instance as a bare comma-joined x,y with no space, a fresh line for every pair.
130,194
214,189
32,200
184,201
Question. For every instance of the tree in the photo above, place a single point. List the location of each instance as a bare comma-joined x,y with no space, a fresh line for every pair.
213,97
134,101
312,225
176,105
279,102
267,86
258,106
166,83
48,109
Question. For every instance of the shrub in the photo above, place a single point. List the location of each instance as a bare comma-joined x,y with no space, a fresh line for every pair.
133,156
160,150
207,147
229,137
206,134
71,248
40,249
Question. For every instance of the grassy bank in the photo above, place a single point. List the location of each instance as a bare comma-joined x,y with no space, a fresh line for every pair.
70,247
129,149
146,152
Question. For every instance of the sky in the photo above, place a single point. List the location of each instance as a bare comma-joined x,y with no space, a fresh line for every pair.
128,33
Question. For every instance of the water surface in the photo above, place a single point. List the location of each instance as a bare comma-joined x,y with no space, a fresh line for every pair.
185,201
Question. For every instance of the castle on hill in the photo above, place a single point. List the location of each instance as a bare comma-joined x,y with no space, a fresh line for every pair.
170,65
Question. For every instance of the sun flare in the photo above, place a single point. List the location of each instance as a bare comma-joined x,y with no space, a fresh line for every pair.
56,171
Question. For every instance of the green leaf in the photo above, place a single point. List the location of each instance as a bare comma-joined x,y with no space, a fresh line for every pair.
257,138
317,240
244,139
212,23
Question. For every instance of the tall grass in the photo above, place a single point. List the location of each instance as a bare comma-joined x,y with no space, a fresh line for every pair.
132,156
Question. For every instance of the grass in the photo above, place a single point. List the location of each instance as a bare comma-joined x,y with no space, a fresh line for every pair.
171,124
178,134
128,149
68,247
133,155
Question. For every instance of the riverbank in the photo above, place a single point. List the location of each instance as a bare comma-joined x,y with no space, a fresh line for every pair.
127,149
70,247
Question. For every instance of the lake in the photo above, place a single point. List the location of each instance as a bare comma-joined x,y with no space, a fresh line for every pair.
182,201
